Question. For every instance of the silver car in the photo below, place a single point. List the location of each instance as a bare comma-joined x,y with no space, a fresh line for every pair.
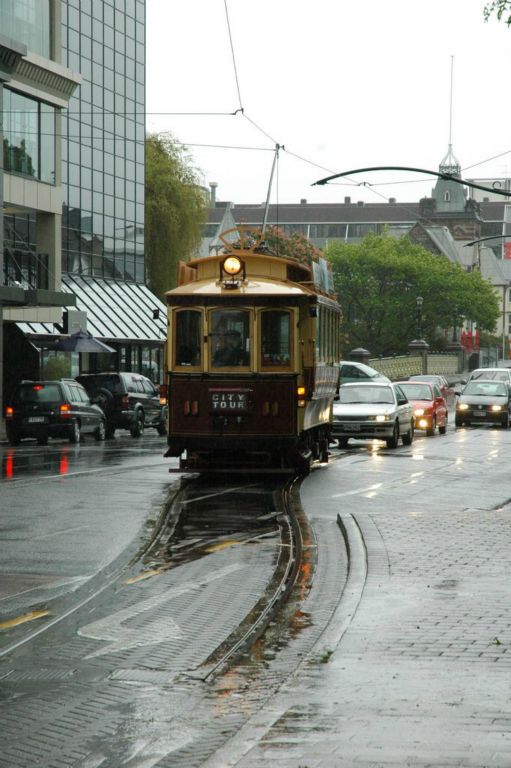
370,410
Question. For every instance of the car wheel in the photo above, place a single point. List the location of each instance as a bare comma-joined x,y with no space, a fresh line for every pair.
505,421
104,399
13,438
343,442
137,428
458,422
76,432
110,432
430,432
443,429
392,441
161,428
42,440
408,438
100,432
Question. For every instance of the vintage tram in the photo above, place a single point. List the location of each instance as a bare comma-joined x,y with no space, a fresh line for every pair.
252,358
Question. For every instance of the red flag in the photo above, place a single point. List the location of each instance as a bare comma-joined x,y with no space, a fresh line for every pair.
507,250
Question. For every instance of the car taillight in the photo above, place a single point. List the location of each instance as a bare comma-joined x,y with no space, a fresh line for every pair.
125,400
9,412
163,394
64,409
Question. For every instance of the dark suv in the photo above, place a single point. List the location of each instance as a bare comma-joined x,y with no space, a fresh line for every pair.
44,409
128,400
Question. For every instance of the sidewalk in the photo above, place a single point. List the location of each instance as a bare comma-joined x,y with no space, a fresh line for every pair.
420,667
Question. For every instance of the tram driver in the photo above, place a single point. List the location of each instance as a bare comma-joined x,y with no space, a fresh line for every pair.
229,350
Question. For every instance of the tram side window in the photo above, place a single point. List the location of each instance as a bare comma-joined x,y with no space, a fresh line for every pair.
276,338
188,337
230,338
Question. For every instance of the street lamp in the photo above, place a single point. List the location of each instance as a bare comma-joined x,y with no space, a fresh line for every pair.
418,303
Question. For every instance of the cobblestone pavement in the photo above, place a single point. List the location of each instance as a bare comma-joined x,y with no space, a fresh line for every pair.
419,667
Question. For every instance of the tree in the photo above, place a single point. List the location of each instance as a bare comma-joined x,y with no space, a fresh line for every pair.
501,8
378,281
175,211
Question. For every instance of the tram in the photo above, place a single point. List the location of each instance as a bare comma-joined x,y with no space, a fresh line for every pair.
252,357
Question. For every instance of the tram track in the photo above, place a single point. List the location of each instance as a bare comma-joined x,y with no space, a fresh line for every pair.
167,549
222,577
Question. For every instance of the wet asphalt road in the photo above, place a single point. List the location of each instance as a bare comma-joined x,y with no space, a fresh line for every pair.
68,511
406,671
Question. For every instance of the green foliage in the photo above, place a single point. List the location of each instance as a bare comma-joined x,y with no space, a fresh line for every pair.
378,281
56,366
175,211
500,8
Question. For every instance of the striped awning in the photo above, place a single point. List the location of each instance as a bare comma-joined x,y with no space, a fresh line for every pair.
115,311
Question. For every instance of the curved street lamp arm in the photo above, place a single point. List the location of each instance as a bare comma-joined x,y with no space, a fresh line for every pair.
447,176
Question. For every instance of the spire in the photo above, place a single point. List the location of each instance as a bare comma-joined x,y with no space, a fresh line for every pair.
450,163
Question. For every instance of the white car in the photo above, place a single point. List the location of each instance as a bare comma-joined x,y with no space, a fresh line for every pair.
494,374
373,410
358,372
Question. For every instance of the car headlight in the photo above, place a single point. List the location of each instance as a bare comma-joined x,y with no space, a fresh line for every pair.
496,407
462,406
383,417
419,412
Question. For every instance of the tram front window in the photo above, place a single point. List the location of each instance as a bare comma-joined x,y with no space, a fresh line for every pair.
276,339
188,337
230,338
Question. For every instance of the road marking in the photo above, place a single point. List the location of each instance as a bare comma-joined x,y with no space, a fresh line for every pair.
114,629
357,490
32,616
218,493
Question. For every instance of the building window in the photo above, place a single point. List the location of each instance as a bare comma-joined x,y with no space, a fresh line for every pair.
29,137
447,196
28,22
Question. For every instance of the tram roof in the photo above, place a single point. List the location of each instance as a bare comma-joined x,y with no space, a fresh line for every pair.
250,287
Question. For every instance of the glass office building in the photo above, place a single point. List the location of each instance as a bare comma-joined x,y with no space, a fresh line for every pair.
103,156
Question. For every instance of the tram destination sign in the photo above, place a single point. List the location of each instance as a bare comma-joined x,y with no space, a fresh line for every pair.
229,400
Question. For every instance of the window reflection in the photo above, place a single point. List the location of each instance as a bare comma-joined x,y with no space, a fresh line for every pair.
188,337
29,137
276,338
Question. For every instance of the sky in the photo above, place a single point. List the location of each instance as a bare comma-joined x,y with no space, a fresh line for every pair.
339,84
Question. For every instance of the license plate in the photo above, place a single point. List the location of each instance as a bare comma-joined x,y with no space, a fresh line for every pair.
228,402
352,428
479,413
36,419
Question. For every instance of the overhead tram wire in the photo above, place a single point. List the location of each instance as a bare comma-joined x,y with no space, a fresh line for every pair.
233,55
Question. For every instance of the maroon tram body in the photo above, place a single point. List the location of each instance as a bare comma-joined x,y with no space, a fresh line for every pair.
252,360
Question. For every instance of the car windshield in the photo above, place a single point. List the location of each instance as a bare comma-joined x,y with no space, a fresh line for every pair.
38,393
417,391
486,389
435,379
366,394
487,374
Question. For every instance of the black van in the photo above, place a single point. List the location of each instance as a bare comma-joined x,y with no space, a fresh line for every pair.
43,409
128,400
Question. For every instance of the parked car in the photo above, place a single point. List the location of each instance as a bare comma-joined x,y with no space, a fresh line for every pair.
373,410
128,400
445,388
488,374
484,401
353,371
429,405
43,409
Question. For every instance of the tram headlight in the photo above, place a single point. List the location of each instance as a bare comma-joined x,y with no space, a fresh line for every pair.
232,265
